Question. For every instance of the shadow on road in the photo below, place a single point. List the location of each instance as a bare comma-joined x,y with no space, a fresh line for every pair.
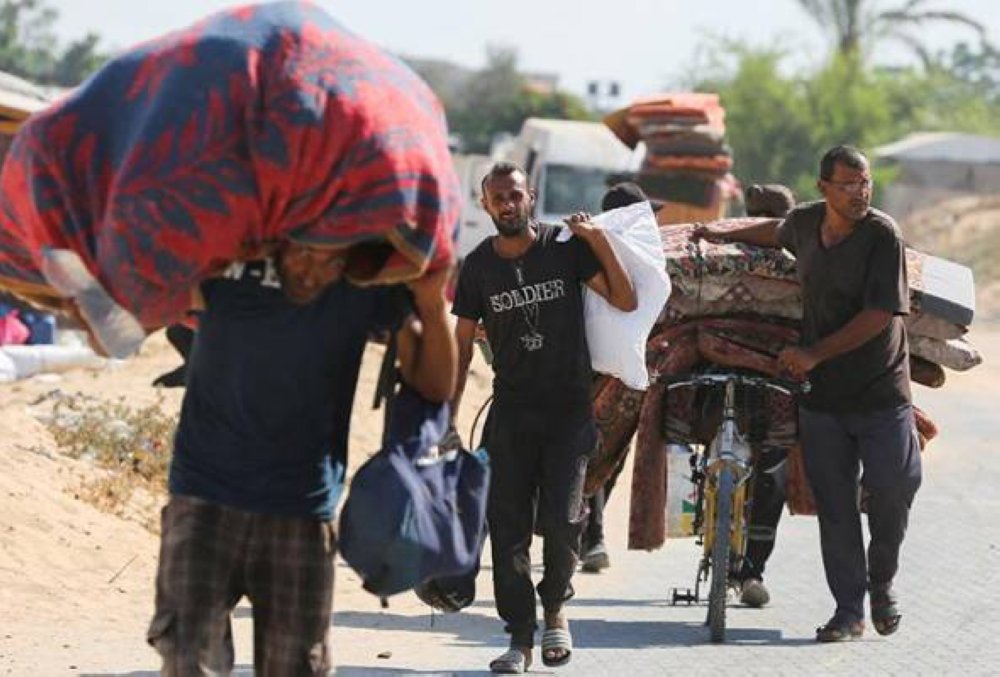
238,671
361,671
472,629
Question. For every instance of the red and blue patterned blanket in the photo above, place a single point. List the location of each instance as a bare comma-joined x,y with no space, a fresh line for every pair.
213,143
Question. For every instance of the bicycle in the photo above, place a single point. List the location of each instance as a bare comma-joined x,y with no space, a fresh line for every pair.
722,475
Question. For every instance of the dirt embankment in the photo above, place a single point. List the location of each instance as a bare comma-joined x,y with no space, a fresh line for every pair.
965,230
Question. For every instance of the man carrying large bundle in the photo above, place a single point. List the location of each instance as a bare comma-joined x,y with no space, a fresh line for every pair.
268,160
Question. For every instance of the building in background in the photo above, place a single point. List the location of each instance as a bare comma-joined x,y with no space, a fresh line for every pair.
938,166
18,100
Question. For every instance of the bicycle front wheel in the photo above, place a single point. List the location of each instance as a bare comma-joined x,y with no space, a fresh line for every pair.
717,592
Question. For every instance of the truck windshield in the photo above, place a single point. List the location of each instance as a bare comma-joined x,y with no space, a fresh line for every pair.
573,189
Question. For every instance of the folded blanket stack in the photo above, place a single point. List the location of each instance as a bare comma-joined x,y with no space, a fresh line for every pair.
687,161
712,280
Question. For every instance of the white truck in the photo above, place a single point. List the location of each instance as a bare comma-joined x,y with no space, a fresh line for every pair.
569,164
476,224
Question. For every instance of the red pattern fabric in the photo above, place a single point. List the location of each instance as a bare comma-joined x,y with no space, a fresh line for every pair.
258,124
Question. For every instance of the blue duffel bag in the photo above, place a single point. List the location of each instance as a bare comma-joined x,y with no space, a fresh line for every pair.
413,514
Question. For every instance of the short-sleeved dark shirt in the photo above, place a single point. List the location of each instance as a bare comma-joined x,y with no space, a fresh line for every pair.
866,270
532,308
266,417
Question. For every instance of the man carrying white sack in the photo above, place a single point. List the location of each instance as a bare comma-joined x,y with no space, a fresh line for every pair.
527,289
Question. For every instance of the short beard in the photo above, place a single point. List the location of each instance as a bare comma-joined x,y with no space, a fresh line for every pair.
511,228
850,215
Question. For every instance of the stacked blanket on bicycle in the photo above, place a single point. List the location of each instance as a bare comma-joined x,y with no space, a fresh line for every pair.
736,306
712,280
677,348
687,161
209,145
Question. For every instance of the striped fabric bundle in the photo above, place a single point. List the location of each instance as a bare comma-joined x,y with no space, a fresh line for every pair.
212,144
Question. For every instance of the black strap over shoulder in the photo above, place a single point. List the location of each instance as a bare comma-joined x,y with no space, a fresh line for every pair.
401,301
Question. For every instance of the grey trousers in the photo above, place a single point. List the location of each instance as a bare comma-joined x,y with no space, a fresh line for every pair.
882,450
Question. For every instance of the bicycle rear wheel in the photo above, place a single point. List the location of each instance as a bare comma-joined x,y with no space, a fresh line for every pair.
719,586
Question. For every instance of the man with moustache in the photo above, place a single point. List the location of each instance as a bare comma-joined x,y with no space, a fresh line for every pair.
526,287
858,415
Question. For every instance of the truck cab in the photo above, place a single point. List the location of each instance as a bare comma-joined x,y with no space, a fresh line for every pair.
476,224
569,164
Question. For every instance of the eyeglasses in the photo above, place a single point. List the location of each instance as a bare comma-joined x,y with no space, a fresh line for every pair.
851,186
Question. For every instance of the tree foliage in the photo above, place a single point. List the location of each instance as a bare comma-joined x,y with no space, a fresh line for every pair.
497,99
856,26
29,48
779,125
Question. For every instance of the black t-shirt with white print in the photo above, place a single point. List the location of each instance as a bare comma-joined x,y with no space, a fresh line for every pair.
532,308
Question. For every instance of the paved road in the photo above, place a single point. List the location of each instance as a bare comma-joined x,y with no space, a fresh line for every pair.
949,586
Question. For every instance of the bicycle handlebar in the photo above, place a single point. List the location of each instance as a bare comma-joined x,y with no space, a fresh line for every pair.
781,385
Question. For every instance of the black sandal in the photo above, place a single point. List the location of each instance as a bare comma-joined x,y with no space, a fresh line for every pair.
885,612
837,630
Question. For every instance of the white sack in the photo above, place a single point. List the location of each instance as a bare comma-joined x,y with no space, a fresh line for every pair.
48,359
617,340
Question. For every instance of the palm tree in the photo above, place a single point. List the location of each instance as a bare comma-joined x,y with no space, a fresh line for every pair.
856,25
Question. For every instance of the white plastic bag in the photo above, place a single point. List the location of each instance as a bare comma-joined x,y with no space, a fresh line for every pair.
46,359
617,340
8,370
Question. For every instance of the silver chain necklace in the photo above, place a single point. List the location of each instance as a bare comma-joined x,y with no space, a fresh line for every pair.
533,340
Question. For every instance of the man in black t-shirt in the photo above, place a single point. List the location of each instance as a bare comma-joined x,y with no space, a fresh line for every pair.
526,286
852,268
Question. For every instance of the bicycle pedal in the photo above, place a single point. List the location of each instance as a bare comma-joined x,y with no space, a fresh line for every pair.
687,597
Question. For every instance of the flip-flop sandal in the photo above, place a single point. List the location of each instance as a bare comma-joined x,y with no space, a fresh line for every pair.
840,631
885,612
512,662
554,639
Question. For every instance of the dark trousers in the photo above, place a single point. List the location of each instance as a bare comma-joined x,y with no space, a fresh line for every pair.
836,447
538,462
765,512
593,532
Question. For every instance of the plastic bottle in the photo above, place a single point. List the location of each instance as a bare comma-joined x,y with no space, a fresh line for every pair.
681,491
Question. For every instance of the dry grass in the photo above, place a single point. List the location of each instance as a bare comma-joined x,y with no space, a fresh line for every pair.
130,445
965,230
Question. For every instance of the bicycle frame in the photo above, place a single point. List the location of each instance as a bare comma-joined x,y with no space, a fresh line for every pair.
729,448
723,477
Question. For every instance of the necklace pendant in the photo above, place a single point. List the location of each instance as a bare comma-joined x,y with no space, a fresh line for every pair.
533,342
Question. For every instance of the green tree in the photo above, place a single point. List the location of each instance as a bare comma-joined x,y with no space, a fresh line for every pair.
28,46
857,25
26,39
497,99
767,120
80,58
978,66
779,125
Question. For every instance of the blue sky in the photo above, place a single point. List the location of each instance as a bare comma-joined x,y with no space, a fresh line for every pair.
642,43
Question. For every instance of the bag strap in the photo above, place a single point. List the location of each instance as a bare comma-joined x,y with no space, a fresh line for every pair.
401,304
